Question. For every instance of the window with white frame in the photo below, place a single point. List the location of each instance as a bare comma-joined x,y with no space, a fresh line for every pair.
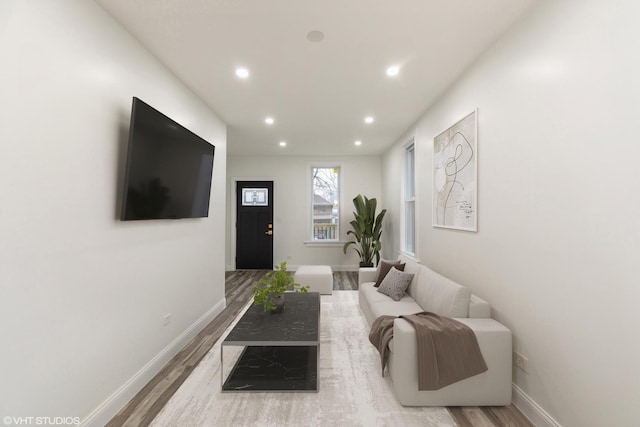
409,199
325,203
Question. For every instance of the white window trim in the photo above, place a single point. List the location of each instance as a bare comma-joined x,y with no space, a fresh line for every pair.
309,241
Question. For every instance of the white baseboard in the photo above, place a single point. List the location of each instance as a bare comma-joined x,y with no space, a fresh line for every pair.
110,407
344,267
295,267
530,409
333,267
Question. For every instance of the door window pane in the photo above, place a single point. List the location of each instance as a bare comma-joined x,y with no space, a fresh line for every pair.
255,197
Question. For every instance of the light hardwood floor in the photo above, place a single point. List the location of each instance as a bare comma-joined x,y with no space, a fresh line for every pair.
143,408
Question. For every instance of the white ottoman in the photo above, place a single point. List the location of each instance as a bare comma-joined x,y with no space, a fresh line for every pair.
318,277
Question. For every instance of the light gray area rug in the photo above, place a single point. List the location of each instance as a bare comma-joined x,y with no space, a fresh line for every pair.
352,390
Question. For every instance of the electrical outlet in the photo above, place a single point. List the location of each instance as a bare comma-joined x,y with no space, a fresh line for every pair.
520,361
167,319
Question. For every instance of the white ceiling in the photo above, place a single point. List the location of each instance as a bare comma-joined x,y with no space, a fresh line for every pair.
318,93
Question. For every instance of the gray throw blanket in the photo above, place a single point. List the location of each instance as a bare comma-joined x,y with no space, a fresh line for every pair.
448,350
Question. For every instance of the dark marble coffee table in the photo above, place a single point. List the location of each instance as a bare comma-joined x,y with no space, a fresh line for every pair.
281,351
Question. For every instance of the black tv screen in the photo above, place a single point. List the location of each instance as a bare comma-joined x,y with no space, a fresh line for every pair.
169,168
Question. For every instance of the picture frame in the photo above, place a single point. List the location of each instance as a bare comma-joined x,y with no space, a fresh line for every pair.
455,175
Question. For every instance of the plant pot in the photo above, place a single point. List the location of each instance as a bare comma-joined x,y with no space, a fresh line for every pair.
366,264
279,303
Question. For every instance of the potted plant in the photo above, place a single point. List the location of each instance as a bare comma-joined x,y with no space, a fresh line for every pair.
269,292
367,230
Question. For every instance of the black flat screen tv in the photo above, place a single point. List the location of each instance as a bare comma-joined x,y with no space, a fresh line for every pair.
169,168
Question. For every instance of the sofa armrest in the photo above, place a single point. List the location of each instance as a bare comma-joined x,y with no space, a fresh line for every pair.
478,307
490,388
367,274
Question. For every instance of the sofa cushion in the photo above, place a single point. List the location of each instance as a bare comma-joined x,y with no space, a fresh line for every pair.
406,305
412,267
383,268
395,283
374,304
437,294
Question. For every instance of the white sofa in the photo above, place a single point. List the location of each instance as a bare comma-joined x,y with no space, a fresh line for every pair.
432,292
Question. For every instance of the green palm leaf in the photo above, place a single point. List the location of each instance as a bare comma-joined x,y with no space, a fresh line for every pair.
366,230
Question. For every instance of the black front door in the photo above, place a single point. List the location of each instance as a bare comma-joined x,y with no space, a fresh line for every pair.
254,228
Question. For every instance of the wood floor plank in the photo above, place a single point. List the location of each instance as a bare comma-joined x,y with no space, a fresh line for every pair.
477,418
492,415
459,416
144,407
345,280
507,416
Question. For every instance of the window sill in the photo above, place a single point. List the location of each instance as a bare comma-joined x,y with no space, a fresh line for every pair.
325,244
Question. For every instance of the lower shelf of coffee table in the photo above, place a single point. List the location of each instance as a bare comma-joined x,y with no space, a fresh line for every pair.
283,369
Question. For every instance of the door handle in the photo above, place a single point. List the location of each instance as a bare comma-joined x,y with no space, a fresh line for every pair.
270,232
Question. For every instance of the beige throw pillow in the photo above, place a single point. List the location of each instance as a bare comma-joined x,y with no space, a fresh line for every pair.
395,283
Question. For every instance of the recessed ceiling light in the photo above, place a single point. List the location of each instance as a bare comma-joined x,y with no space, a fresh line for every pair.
315,36
269,120
283,144
241,72
393,71
368,119
358,143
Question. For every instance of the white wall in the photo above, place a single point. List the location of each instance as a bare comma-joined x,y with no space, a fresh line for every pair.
83,294
360,175
557,247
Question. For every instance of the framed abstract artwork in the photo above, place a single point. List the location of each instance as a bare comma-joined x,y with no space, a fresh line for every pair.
455,178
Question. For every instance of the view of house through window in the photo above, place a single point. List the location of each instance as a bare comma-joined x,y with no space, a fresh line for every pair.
325,207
